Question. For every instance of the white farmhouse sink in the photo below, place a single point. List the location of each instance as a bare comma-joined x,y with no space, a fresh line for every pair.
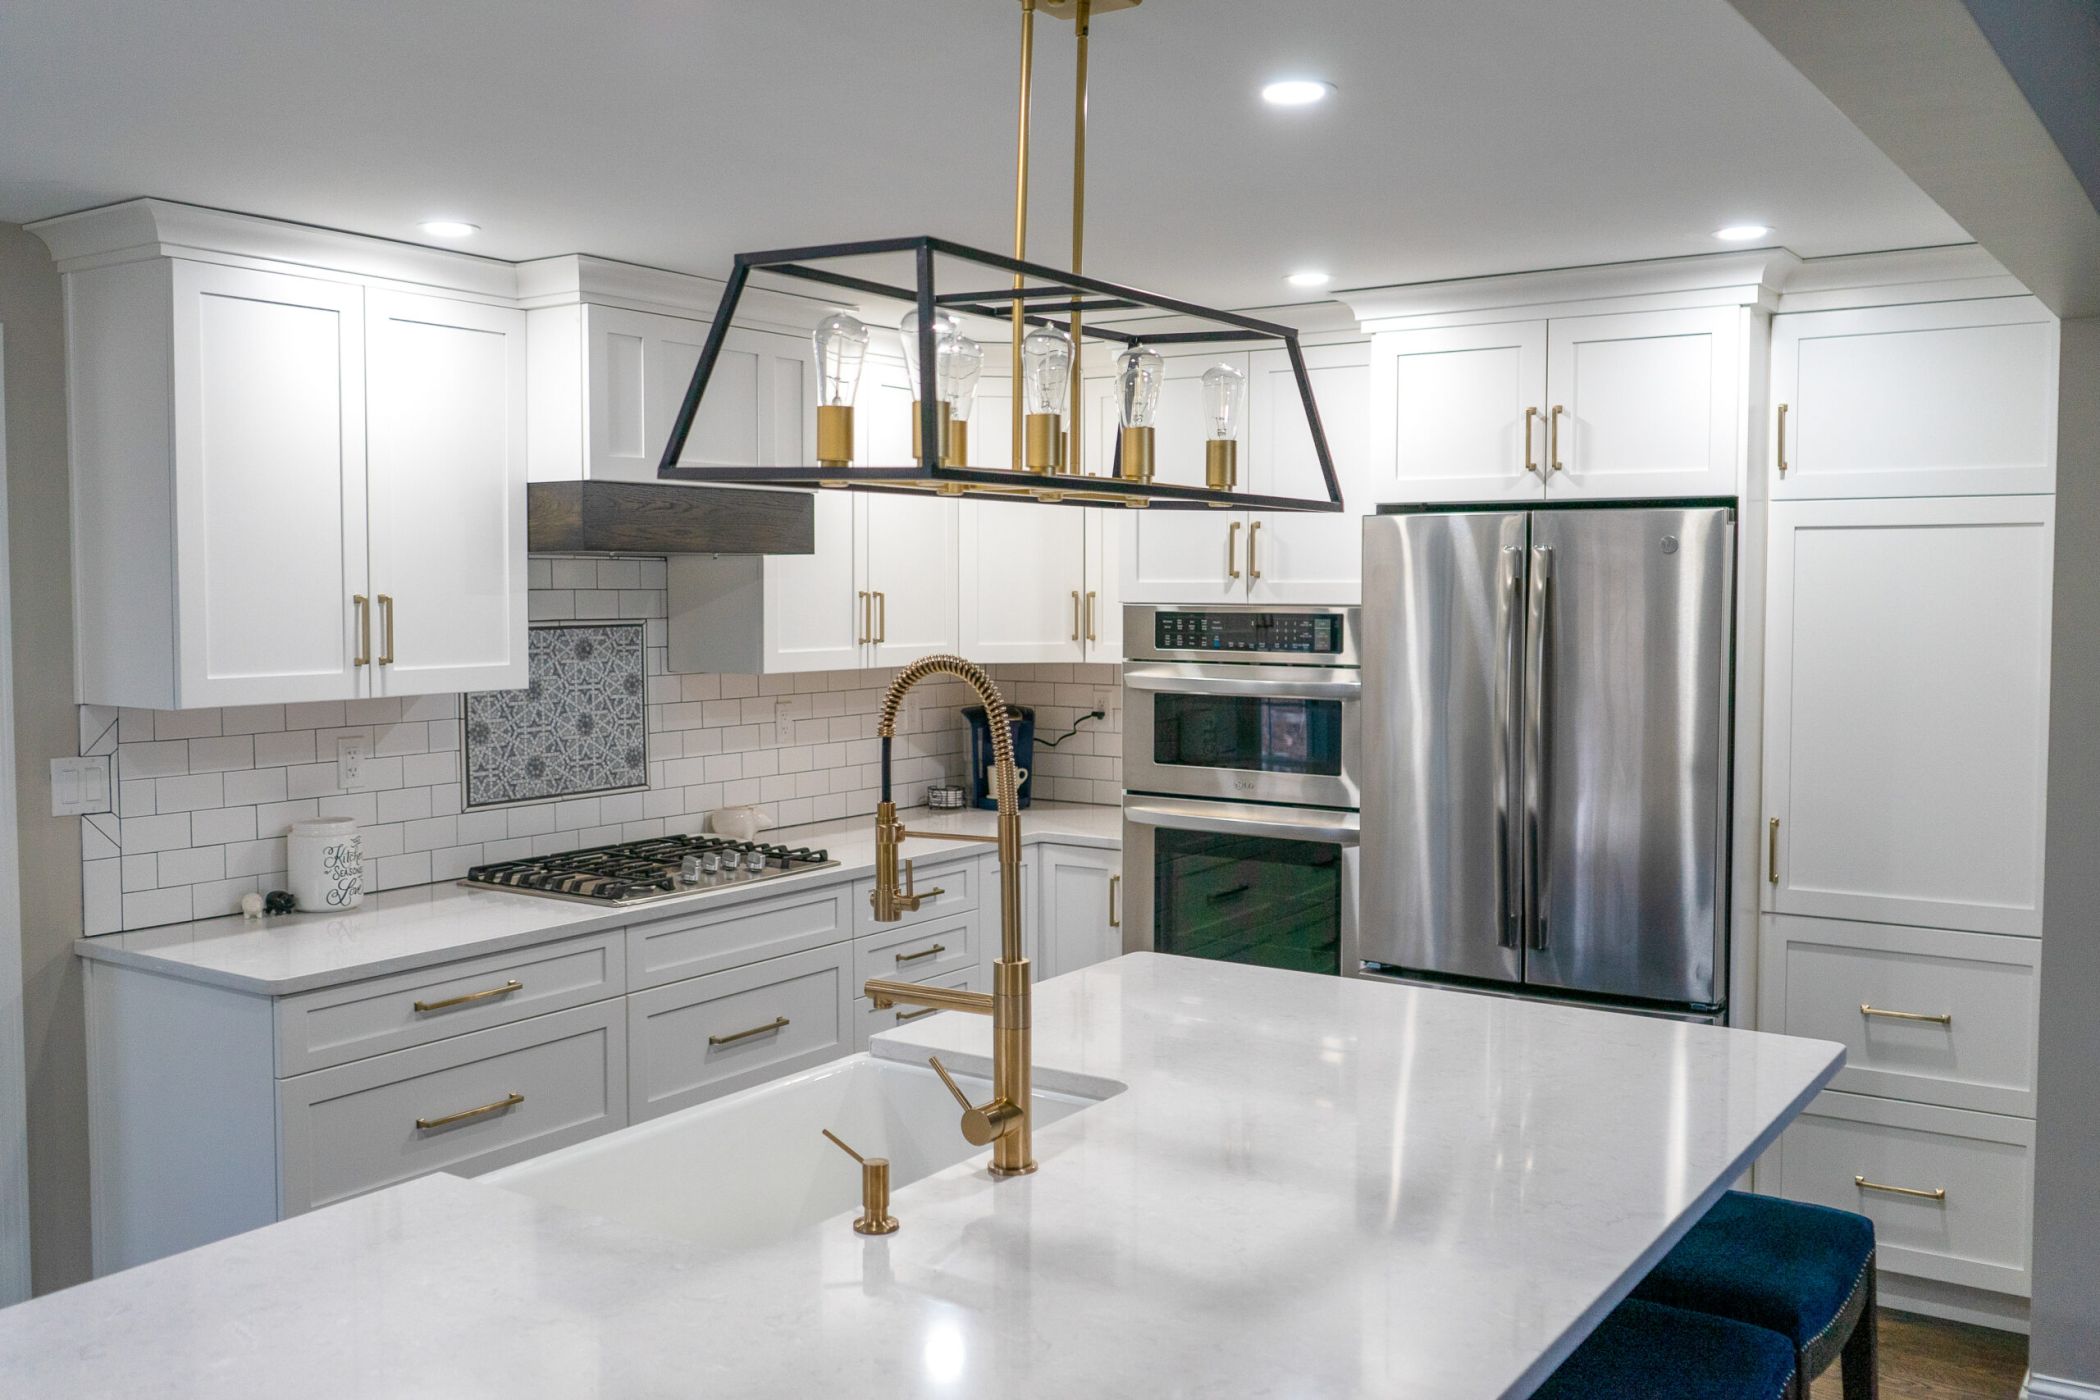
753,1167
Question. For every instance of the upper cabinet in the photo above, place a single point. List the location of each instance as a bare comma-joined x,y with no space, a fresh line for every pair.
1639,404
1944,399
285,486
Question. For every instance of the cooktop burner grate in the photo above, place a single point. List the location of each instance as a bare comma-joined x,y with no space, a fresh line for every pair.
639,872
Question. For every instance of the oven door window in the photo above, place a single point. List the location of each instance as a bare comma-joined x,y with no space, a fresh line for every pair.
1249,899
1248,732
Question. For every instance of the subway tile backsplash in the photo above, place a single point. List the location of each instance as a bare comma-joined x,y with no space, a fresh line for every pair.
203,797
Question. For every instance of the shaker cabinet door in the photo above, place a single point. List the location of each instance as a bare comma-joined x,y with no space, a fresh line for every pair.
1024,582
1456,414
1907,710
447,491
1081,915
815,613
269,419
1644,404
1309,557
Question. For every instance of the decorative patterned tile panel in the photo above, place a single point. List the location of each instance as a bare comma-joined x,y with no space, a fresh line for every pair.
578,727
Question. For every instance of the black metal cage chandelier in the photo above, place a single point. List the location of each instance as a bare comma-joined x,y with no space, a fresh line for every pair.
1047,313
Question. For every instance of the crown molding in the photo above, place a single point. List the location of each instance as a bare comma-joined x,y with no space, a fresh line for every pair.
1750,278
575,278
150,228
1953,272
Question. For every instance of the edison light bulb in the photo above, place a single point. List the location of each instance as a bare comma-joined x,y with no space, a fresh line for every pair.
908,332
842,344
1138,375
1046,374
1224,395
959,361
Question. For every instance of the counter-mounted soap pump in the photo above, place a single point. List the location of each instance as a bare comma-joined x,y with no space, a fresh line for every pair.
875,1217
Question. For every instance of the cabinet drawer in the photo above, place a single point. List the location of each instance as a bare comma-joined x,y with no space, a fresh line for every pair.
955,876
867,1020
708,1036
1976,1235
544,1083
1820,974
338,1024
672,950
919,952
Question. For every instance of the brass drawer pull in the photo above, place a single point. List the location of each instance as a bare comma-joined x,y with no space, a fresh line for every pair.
904,1016
1232,550
777,1023
364,630
1772,851
1553,437
386,629
1782,442
1944,1019
867,616
1530,417
1114,920
922,953
1090,617
1253,534
514,985
1940,1194
507,1101
1075,614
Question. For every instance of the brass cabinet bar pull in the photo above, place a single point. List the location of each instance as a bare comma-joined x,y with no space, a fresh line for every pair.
1553,437
1530,417
507,1101
904,1016
1782,442
922,953
777,1023
364,630
514,985
1090,616
1253,534
1232,550
1075,614
1937,1194
882,617
1772,851
1114,920
1944,1019
386,629
867,617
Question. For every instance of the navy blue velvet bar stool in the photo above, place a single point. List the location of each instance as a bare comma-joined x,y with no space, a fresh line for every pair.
1646,1351
1803,1271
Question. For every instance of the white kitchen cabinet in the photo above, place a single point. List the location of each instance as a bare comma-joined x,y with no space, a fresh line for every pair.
1039,583
1079,919
908,551
813,617
288,464
1185,556
1302,557
1939,399
1641,404
446,489
1455,414
1906,710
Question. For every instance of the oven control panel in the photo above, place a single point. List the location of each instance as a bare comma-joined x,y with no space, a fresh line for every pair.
1307,633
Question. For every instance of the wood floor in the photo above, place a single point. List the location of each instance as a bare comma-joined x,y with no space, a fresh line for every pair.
1923,1358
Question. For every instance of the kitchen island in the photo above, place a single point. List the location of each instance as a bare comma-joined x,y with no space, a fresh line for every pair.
1298,1186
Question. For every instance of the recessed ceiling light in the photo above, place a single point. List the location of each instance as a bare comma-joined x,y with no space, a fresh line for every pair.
1308,279
1295,92
449,228
1742,233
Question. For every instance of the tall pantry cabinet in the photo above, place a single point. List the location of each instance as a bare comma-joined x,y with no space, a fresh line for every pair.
1911,467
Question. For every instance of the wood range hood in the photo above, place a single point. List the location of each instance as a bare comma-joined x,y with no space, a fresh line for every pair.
619,517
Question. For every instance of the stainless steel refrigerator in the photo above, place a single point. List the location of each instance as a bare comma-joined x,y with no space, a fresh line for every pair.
1545,721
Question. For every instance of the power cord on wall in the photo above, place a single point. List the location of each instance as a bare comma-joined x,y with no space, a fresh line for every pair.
1053,743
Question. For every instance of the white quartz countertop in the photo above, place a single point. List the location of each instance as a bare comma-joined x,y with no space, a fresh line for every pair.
403,929
1310,1188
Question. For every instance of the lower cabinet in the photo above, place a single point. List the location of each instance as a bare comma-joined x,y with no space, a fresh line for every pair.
710,1036
1079,917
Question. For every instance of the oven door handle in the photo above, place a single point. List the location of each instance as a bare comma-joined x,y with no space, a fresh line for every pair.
1170,681
1228,819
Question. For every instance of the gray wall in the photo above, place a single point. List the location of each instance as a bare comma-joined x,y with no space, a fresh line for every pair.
46,725
2066,1315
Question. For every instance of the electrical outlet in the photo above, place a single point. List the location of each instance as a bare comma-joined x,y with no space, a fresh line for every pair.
1108,699
350,755
79,786
785,710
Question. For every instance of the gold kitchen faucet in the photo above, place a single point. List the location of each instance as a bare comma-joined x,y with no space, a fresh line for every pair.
1003,1122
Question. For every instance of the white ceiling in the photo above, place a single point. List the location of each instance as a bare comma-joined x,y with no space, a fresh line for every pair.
1466,136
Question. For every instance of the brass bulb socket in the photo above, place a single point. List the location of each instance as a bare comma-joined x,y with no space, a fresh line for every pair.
835,435
1135,458
958,453
1221,464
1045,444
918,449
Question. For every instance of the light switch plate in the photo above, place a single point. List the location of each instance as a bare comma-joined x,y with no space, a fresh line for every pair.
79,786
350,755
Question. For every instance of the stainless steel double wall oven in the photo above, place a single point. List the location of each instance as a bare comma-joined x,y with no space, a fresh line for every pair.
1243,744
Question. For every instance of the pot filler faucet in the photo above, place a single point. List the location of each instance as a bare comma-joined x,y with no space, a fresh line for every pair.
1003,1122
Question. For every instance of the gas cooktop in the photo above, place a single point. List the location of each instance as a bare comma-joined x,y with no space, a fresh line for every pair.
642,872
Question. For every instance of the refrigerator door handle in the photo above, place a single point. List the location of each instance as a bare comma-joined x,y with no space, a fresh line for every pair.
1537,721
1509,874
